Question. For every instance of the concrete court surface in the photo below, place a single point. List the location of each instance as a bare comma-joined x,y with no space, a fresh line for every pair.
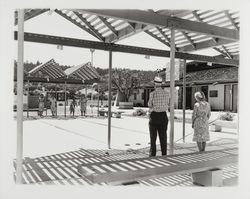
46,136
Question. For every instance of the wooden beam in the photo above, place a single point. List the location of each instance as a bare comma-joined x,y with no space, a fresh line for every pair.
231,19
75,22
176,13
184,101
227,53
31,14
146,17
189,39
39,38
215,40
19,149
98,35
204,45
163,34
201,20
158,38
126,32
172,89
113,30
60,80
65,98
109,99
220,51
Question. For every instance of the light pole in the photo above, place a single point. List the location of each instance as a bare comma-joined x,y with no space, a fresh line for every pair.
97,85
92,51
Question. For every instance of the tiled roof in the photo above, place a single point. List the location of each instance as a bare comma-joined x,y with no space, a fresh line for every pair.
230,73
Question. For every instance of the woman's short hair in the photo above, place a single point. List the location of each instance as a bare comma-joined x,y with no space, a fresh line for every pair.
199,96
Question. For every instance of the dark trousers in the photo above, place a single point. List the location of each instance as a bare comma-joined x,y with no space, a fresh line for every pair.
158,123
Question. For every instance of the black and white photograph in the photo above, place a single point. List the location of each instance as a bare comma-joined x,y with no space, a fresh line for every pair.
146,98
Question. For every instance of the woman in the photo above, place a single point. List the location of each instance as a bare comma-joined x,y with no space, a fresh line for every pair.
73,104
200,117
53,105
83,105
41,100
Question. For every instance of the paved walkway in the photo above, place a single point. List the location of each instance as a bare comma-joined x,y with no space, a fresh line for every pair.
67,138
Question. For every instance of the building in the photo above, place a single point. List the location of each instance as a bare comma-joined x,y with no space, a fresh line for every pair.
218,82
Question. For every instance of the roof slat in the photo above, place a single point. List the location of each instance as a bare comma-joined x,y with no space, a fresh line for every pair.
75,22
146,17
108,25
98,35
231,20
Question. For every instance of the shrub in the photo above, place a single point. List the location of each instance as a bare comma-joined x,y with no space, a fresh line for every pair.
226,116
138,105
139,112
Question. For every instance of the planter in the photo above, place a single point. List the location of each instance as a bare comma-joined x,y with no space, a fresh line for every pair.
125,105
212,177
215,128
217,125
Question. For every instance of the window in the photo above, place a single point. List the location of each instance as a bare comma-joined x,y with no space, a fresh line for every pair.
142,96
135,96
213,93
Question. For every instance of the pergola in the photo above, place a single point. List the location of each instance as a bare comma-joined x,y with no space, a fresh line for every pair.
51,72
183,31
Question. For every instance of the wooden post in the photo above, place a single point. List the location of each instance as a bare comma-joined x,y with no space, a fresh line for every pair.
19,159
109,99
56,99
172,89
45,101
65,96
184,100
28,99
98,100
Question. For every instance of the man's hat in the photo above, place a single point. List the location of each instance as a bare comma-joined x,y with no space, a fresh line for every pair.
158,80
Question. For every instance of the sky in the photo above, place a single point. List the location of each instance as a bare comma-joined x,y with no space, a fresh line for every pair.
54,24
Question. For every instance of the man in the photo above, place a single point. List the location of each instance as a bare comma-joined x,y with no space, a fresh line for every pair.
158,120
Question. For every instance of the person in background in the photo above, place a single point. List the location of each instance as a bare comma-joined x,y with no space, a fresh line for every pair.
73,104
41,101
53,104
158,120
83,104
200,117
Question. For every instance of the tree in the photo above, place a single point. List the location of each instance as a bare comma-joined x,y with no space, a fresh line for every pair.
125,81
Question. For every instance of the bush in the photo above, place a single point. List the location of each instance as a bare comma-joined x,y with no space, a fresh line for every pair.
226,116
139,112
138,105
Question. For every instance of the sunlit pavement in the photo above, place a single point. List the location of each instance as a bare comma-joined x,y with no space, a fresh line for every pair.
62,135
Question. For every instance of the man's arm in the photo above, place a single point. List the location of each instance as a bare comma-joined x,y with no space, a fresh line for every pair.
150,101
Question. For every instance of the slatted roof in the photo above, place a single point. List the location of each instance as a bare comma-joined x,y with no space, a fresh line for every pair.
218,29
50,69
83,72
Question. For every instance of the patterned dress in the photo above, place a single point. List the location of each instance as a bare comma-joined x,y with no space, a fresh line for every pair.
53,104
83,104
200,117
41,103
